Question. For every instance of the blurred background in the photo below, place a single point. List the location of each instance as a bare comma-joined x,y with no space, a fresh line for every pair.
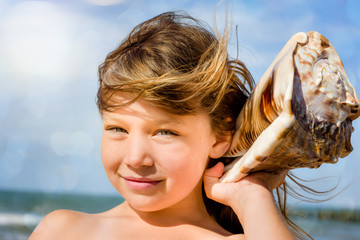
50,128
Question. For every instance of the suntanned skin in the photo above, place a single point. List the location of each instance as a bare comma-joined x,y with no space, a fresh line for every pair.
167,156
260,219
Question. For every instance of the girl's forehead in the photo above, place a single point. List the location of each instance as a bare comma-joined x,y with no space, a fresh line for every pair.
119,98
144,109
129,103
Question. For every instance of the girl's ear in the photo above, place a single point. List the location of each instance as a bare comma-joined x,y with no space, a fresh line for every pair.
220,147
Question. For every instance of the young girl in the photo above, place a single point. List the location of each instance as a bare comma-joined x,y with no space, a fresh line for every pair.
169,97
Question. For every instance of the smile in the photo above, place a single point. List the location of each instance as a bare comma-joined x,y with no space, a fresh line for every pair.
140,183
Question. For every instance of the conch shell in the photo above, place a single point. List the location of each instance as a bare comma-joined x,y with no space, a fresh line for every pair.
299,114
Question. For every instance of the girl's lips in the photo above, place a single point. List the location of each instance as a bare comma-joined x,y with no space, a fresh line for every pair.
140,183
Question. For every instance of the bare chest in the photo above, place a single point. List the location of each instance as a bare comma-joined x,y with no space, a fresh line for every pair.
127,231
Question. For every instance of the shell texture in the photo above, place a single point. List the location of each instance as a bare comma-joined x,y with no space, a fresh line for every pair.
299,114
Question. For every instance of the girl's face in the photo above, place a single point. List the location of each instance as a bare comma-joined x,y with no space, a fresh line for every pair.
153,159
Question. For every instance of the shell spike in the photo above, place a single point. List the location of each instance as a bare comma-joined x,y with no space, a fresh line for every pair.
355,108
333,159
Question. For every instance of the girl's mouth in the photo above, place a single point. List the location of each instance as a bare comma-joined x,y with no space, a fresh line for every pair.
141,183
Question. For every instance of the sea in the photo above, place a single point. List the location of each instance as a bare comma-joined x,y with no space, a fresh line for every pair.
20,212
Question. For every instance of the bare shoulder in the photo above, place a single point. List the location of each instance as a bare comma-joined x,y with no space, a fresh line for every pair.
217,236
236,237
227,236
60,224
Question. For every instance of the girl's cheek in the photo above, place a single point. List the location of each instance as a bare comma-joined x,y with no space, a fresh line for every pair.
110,154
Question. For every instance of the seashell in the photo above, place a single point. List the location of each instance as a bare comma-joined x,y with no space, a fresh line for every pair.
299,114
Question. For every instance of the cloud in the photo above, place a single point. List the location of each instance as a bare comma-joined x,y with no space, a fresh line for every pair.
36,39
45,41
74,143
105,2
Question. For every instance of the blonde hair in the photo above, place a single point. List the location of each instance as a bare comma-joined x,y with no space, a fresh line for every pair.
173,61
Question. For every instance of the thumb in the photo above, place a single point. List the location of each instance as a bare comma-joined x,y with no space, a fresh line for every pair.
211,178
215,172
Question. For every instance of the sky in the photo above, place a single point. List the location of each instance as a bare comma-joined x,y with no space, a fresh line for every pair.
50,128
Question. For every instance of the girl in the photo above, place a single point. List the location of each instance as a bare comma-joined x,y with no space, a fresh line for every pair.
169,97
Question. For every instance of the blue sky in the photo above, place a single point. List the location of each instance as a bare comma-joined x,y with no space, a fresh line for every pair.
49,52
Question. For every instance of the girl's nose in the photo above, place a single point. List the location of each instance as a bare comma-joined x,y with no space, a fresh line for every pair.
138,152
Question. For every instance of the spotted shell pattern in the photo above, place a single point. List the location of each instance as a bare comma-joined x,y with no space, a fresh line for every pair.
299,114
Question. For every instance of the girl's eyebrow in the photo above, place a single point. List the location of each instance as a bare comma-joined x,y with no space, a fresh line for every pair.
171,120
162,121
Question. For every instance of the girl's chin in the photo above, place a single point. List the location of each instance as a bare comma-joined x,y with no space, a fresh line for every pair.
143,207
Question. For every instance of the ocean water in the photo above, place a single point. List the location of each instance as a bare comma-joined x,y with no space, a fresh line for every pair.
20,212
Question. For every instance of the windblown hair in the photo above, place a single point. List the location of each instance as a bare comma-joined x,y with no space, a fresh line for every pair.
177,64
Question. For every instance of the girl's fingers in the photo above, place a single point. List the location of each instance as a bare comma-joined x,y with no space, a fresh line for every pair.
271,180
216,171
211,181
224,192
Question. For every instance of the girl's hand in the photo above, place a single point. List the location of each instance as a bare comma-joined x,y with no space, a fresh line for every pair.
226,192
252,201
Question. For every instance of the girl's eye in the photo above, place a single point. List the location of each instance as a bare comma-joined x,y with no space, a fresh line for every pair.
117,130
166,132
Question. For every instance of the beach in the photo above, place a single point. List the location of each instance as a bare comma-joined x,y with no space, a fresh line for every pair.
20,212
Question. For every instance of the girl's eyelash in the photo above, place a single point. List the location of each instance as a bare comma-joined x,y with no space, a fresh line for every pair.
162,132
116,129
167,132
